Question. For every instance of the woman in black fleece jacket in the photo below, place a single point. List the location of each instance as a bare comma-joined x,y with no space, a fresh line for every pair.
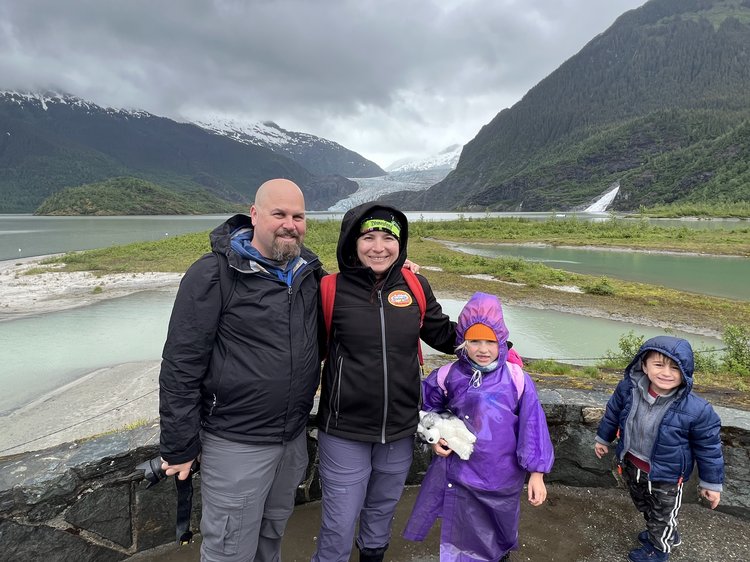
371,383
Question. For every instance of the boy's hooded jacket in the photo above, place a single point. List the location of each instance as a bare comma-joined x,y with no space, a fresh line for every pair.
247,373
370,388
479,499
689,430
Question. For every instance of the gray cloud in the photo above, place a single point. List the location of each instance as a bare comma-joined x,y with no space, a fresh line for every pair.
387,78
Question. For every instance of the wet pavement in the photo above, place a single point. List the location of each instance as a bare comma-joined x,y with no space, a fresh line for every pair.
574,525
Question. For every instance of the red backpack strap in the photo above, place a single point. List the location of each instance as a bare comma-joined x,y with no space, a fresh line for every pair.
416,289
327,296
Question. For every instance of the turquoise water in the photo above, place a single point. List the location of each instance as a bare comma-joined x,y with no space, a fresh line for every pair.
42,353
711,275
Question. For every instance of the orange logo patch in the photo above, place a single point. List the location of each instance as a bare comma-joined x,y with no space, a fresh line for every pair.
400,298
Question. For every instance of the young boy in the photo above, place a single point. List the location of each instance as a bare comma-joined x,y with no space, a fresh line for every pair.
663,429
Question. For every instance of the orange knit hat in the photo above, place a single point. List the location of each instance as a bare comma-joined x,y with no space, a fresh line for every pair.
480,332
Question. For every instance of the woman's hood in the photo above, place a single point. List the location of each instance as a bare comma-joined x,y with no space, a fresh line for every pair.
486,309
346,251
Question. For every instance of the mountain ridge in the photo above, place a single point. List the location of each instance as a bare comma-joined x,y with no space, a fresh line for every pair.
50,141
681,56
318,155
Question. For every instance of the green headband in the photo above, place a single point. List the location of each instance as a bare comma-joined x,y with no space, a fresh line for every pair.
379,224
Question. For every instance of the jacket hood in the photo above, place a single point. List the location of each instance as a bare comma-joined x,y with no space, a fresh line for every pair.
221,236
484,309
346,251
677,349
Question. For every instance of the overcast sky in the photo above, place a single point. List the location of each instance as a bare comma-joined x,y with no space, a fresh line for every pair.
387,78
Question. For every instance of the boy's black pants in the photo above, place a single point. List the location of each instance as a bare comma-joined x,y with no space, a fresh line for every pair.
659,502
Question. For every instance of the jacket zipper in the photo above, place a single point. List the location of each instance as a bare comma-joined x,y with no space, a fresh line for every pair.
385,366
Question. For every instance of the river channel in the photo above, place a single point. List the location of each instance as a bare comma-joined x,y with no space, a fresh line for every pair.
721,276
41,353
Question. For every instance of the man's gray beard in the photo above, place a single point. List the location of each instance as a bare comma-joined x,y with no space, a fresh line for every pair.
285,251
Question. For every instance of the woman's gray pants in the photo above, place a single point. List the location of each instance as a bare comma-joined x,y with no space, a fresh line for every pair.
362,480
247,492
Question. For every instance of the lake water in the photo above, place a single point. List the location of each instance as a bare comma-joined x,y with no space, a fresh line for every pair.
711,275
42,353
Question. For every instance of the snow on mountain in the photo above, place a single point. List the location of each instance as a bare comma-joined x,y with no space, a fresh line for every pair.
266,134
320,156
46,99
403,175
446,159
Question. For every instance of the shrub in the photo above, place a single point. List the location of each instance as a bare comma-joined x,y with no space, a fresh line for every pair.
628,346
737,354
706,361
601,286
590,372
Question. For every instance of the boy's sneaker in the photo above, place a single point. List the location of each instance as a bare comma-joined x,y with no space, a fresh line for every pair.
674,541
647,553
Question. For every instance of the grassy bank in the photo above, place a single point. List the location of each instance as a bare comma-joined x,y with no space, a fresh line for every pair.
737,209
516,280
615,233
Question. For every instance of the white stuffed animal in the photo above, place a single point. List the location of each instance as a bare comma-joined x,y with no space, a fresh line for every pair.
432,426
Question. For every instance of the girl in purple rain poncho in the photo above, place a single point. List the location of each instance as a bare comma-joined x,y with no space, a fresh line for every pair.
479,499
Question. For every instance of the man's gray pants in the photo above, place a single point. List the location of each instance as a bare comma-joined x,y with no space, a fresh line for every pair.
359,480
248,494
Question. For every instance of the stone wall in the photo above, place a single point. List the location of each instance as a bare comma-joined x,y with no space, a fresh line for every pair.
86,501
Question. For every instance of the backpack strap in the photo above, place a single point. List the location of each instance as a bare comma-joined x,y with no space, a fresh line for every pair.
442,374
418,291
327,296
518,378
227,280
514,357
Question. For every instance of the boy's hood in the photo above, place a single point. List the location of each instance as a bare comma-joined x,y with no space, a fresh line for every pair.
677,349
346,251
484,309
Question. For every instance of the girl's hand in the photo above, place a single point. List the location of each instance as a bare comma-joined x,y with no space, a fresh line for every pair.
712,497
600,450
537,489
441,448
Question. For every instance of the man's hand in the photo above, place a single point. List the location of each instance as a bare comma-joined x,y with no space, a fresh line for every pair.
600,449
181,470
408,264
712,497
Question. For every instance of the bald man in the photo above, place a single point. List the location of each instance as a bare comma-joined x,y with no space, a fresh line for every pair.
240,369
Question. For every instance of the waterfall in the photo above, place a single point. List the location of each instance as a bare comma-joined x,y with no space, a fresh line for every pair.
601,204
